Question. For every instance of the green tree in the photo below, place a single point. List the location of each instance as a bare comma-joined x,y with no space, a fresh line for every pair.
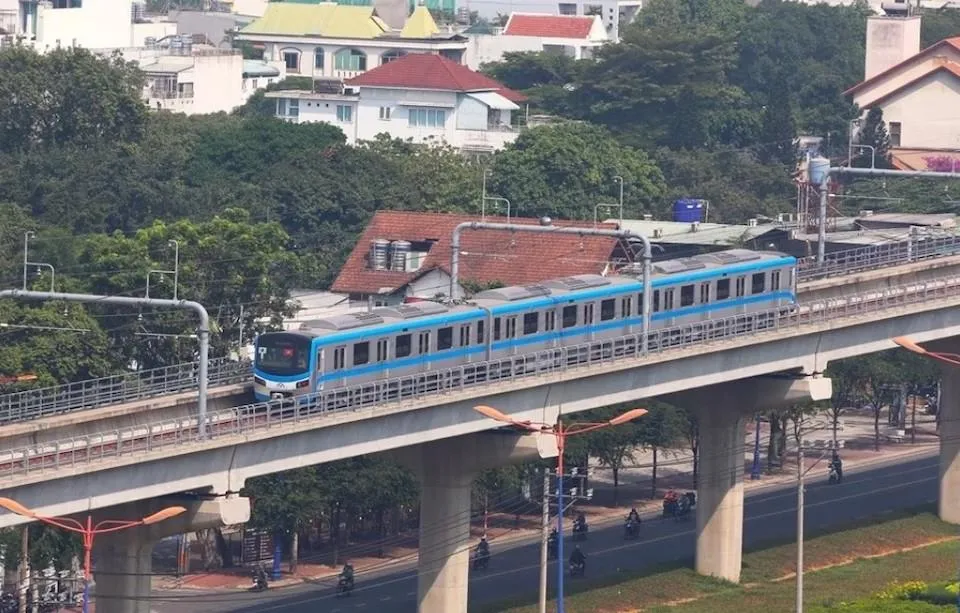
564,170
67,96
779,131
546,78
662,428
938,24
873,133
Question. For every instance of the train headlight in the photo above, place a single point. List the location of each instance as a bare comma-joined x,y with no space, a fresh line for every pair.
259,381
303,384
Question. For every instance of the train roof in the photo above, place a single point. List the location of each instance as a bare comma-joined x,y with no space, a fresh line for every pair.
552,288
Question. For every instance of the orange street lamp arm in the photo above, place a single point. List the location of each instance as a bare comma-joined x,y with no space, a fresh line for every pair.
912,346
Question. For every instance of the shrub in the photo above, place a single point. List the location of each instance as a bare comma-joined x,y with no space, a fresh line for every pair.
908,590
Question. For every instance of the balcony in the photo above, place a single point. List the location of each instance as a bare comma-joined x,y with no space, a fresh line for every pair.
491,139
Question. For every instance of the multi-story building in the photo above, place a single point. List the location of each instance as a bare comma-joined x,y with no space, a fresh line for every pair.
331,40
614,13
918,91
571,35
422,98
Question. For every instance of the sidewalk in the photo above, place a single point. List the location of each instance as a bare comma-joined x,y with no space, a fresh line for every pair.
635,491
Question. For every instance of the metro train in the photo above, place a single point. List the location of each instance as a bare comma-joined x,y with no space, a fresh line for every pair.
345,350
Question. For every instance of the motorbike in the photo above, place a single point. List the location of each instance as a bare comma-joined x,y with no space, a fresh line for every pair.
552,549
578,569
481,560
680,507
344,586
834,475
580,531
631,530
260,582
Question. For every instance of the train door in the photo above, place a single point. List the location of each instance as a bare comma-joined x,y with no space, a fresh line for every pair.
588,320
468,356
667,305
316,377
423,348
336,369
383,356
550,327
740,284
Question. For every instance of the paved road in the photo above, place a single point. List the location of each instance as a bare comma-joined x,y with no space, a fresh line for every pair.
771,514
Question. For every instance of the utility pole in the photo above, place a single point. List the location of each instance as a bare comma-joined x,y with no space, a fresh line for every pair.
544,538
800,486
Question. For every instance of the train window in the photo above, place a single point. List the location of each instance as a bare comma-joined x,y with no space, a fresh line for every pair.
608,309
667,299
757,283
444,338
382,350
338,361
588,314
704,293
774,280
549,320
569,316
640,303
496,329
404,345
361,353
723,289
511,330
424,343
656,300
530,323
465,335
626,307
741,286
686,295
480,325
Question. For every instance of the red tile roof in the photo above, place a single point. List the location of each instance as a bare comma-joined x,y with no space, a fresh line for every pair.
430,71
486,255
549,26
947,42
940,64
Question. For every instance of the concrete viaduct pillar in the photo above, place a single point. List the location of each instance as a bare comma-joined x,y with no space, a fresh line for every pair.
722,411
122,561
949,499
447,469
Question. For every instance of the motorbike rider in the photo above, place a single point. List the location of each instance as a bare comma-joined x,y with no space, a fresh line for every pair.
580,523
347,574
259,577
483,548
633,515
577,558
837,465
552,542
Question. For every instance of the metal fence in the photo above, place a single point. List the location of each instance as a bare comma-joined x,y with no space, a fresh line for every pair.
850,261
34,404
274,414
116,389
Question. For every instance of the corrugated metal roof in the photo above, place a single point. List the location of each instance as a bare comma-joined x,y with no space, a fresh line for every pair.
329,20
168,66
706,233
494,101
258,68
420,24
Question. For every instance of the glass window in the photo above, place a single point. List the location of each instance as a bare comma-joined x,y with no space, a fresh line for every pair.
291,57
496,329
704,293
775,280
318,58
361,353
570,316
465,335
283,354
404,346
723,289
656,300
480,325
686,295
338,361
350,59
757,283
640,303
511,331
444,338
381,350
391,56
426,118
385,112
530,323
667,299
424,343
741,286
608,309
895,130
626,307
549,320
344,113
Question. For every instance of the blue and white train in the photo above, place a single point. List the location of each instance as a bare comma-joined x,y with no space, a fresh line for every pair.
345,350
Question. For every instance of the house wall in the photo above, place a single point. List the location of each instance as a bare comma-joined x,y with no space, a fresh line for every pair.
369,122
98,24
429,285
929,113
373,50
902,76
485,48
890,40
218,82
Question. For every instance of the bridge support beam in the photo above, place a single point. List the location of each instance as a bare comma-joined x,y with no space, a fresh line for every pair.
447,469
123,559
949,500
722,411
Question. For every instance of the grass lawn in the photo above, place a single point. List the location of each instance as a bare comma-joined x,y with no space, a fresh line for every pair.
847,559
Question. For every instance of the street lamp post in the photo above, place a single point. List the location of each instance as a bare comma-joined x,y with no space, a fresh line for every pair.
561,433
619,180
88,530
755,470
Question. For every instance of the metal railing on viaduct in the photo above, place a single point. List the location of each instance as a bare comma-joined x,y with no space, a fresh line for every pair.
132,387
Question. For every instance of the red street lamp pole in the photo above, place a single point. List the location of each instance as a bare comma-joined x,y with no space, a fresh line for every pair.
89,530
561,433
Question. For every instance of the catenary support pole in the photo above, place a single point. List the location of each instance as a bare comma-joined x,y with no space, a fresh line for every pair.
647,257
203,329
800,503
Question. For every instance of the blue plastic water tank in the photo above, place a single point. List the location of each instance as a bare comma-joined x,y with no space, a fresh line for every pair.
818,169
688,210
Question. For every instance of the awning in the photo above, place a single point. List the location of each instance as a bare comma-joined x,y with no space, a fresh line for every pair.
494,101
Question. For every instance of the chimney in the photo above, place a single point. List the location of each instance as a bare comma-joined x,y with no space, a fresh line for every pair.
890,40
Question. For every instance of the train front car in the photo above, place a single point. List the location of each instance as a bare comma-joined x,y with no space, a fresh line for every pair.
283,365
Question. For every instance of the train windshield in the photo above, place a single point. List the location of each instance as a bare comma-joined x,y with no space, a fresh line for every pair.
283,354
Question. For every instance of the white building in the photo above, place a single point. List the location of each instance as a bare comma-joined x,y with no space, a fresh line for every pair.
421,98
570,35
614,13
918,91
331,40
